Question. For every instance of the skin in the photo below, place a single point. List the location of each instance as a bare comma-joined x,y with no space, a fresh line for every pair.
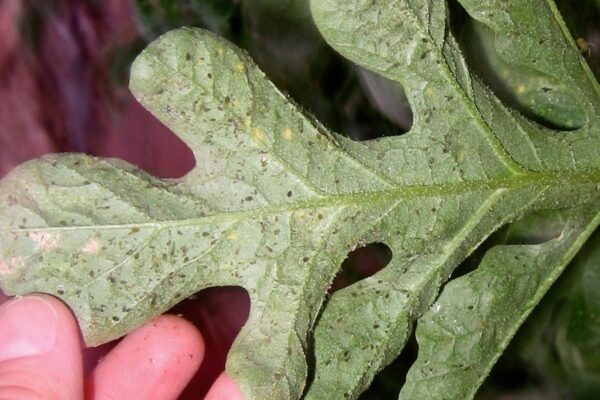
41,358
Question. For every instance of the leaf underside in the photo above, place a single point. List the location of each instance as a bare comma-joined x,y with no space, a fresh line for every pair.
276,201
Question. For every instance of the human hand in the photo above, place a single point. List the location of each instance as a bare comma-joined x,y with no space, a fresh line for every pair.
41,358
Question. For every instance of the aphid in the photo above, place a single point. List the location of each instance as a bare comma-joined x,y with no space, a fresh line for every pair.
584,47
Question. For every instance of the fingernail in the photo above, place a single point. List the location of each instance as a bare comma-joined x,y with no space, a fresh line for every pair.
27,328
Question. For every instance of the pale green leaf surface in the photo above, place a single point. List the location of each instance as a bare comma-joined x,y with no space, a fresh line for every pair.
275,201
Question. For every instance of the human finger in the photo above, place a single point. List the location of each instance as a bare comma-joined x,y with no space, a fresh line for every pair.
224,388
40,350
154,362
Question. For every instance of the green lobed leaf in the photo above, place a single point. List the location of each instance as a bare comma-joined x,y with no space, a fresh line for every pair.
275,201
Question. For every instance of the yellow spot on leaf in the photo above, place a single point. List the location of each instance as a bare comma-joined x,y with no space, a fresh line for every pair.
287,134
429,92
299,216
258,135
239,67
521,89
232,235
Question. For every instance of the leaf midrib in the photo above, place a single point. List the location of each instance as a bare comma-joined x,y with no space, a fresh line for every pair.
533,180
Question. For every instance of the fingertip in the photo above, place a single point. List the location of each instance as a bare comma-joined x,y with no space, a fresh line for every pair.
224,388
168,339
37,333
156,361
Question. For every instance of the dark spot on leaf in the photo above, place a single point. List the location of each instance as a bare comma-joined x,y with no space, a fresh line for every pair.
289,193
188,56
